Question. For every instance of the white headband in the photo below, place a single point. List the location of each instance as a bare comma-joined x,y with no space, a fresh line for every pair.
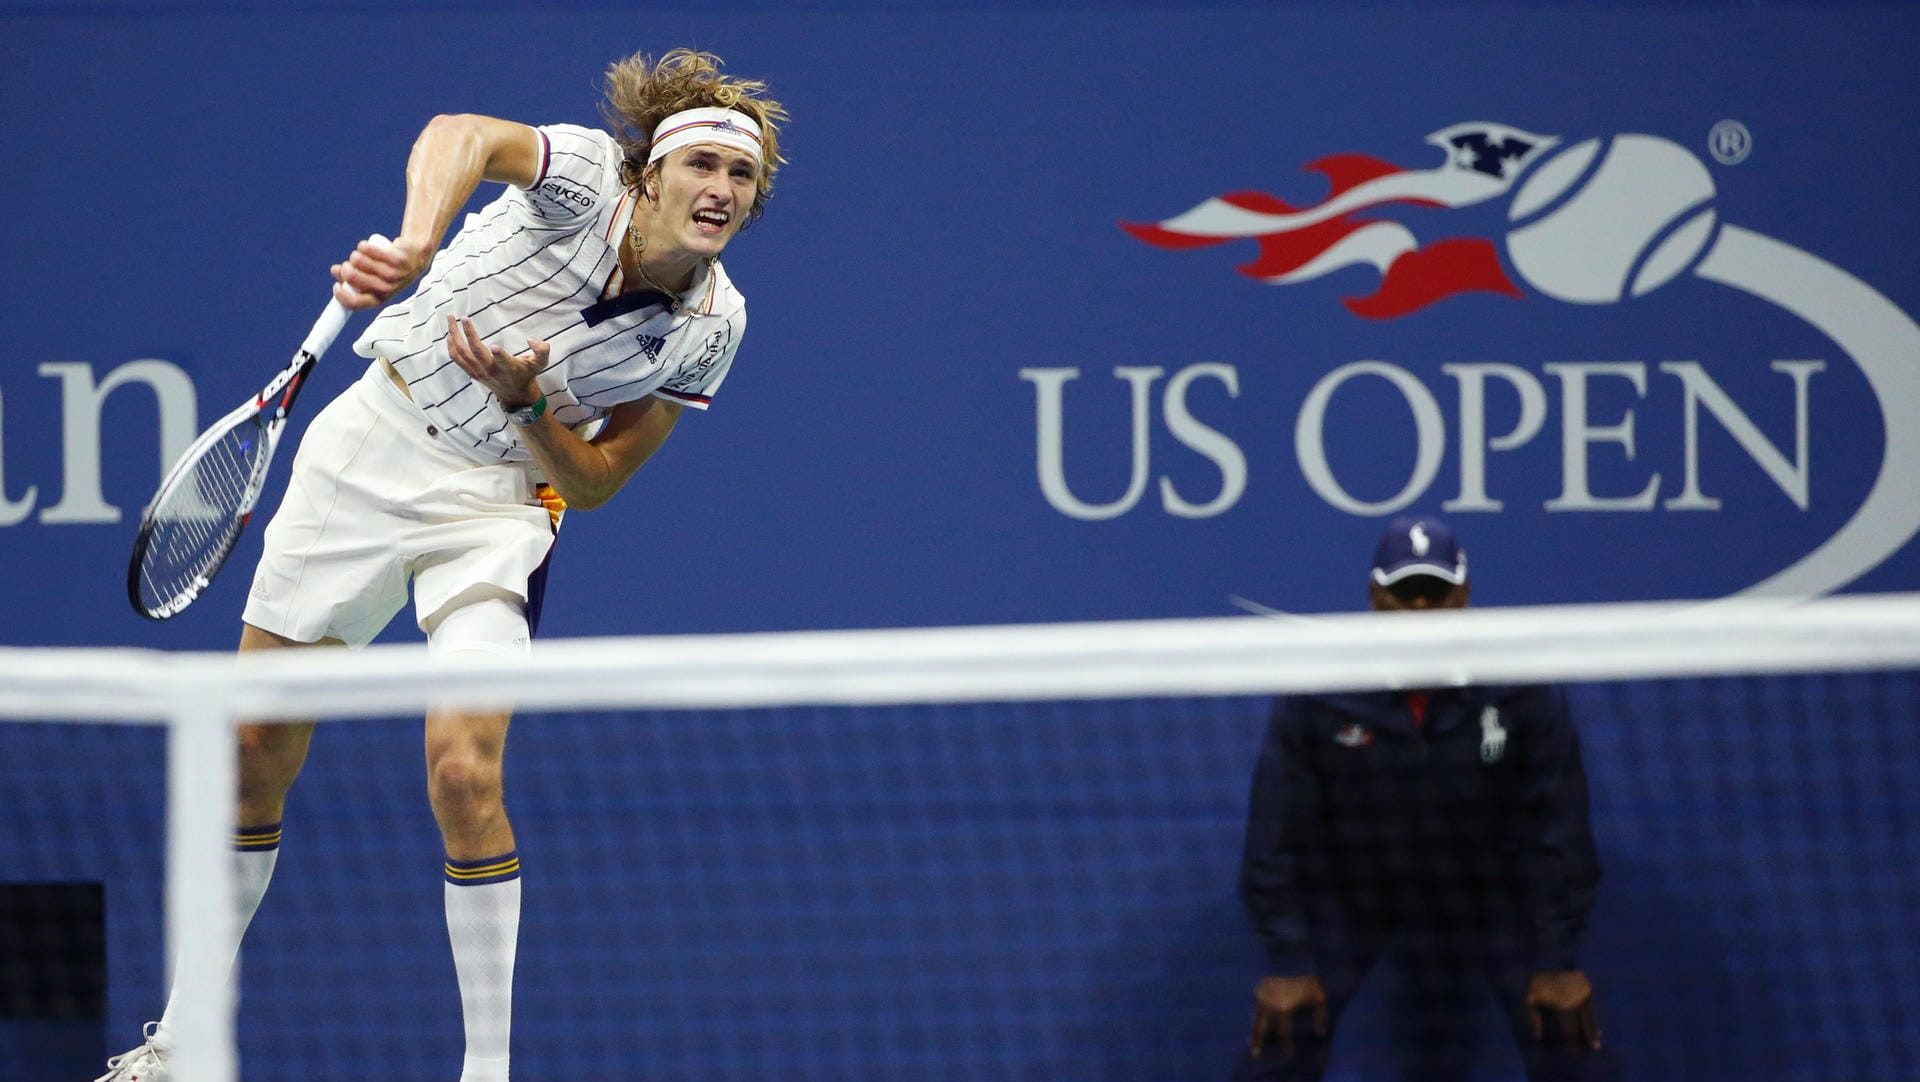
727,127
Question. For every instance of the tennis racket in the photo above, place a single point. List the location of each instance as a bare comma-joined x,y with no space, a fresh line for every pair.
205,500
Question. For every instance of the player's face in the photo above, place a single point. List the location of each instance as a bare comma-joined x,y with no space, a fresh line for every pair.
704,193
1417,592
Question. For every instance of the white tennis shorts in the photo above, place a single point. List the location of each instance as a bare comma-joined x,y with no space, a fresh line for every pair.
377,497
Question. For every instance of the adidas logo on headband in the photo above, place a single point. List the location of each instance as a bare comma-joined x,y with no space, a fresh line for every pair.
727,127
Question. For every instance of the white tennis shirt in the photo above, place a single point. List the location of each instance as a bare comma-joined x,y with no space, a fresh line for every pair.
544,262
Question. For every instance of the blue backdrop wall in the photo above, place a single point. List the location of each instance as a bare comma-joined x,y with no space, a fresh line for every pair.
1060,312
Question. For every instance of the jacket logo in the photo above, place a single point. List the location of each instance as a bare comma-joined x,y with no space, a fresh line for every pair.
1352,736
1493,736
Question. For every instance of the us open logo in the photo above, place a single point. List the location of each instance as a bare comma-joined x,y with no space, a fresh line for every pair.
1590,223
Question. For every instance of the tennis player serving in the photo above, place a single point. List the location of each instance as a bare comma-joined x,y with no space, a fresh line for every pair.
545,355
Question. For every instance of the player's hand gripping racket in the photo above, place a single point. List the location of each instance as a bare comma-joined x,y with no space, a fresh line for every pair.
196,516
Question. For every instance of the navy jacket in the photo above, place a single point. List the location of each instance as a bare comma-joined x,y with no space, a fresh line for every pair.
1480,813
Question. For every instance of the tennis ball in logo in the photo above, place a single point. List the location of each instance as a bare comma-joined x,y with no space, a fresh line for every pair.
1589,233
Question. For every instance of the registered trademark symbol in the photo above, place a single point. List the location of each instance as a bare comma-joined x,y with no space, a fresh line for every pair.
1730,142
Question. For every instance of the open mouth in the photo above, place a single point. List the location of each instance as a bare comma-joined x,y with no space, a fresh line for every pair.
711,219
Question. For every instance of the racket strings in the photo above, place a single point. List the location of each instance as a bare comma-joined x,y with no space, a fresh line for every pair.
200,514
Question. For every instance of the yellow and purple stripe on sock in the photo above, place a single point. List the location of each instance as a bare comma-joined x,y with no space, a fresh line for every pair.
473,873
258,839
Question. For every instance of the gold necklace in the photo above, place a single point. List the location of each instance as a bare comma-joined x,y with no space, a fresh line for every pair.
640,264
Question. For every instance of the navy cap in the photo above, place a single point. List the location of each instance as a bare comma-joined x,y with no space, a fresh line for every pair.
1418,546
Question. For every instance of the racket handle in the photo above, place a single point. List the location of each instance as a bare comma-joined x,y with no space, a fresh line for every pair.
325,329
372,238
328,326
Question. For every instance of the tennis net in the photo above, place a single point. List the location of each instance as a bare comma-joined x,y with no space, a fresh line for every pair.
968,853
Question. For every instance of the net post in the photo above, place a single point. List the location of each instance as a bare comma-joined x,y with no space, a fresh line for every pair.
202,776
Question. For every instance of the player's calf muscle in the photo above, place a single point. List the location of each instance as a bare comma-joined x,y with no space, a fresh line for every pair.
271,756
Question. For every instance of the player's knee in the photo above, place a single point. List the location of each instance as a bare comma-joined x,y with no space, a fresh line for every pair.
463,779
269,758
255,748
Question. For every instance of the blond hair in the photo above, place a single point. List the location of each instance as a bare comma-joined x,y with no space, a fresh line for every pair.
640,92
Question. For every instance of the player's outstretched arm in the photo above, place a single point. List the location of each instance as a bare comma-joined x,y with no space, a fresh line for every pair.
450,158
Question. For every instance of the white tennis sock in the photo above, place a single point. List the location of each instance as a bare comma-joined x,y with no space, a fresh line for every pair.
255,851
483,922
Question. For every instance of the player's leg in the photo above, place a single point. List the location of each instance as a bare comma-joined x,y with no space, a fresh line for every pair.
271,754
270,757
464,766
478,568
465,752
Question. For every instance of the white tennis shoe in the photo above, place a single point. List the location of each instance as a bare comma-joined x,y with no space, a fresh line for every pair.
147,1063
